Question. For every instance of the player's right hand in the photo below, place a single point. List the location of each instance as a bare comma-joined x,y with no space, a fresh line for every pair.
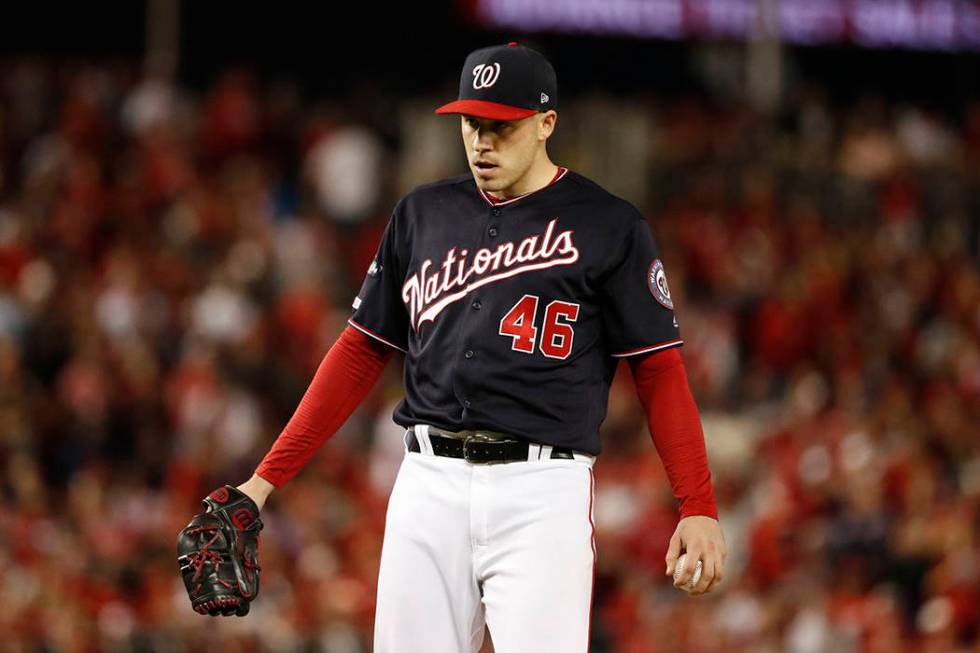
700,537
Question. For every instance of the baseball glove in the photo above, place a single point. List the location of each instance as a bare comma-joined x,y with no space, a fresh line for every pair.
218,554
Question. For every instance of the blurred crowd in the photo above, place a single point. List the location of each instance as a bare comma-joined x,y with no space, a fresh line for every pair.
174,264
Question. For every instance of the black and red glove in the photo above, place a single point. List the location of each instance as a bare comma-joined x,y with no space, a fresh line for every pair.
218,554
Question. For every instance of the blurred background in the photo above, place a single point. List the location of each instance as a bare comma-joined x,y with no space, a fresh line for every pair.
191,192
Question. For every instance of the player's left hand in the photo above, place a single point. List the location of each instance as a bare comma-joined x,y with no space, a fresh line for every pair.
701,538
217,553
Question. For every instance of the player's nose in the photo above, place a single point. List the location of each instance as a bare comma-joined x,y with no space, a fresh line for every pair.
482,139
482,145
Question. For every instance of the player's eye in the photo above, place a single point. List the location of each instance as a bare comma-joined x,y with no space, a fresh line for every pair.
472,123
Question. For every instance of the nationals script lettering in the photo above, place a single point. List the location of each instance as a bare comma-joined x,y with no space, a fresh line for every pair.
434,287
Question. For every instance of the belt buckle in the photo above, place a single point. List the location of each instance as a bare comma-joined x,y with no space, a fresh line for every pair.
477,437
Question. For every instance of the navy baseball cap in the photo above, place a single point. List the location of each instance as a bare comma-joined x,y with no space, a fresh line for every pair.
505,82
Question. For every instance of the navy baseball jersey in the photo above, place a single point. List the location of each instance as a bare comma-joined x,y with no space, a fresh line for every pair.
513,313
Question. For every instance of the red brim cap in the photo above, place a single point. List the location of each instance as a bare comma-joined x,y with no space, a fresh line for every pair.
484,109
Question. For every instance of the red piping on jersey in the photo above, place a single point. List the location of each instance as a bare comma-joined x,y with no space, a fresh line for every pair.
650,349
368,332
496,201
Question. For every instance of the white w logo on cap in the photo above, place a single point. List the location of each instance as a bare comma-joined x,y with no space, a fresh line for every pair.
485,75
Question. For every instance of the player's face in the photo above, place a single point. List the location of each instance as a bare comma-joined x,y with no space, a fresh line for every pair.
500,152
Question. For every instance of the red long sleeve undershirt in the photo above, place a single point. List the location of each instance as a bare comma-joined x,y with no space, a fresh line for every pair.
345,376
672,415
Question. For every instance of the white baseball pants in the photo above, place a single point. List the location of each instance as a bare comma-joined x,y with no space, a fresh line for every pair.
510,545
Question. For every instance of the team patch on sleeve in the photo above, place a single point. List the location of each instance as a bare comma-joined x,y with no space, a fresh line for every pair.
657,282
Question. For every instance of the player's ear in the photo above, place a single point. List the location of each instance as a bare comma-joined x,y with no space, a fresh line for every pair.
546,124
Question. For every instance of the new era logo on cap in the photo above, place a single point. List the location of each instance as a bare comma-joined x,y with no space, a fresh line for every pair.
505,82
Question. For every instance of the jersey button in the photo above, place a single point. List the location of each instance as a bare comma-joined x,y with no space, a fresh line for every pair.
477,305
492,231
494,211
466,402
469,353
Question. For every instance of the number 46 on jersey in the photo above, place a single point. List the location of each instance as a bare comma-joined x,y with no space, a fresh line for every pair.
556,328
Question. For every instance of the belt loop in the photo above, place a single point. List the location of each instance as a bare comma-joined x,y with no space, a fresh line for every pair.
546,451
405,437
422,435
533,451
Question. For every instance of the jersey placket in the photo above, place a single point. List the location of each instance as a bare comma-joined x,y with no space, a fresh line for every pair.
472,328
471,320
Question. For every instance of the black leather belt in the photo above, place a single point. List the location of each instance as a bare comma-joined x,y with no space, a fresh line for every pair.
477,450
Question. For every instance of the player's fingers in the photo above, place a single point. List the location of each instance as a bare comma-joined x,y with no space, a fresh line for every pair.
720,555
673,551
707,575
686,572
719,573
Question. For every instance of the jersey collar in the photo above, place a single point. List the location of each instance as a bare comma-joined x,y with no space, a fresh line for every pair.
495,201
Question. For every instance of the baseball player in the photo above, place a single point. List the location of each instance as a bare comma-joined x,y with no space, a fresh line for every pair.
513,292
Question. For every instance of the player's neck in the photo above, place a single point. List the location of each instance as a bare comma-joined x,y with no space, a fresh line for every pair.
540,174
